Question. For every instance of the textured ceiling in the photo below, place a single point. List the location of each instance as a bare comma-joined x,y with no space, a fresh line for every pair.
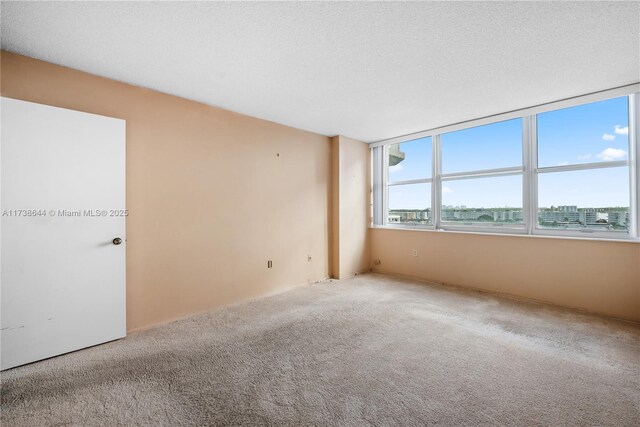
364,70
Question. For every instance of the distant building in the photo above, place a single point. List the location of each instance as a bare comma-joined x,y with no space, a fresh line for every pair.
566,216
588,216
618,217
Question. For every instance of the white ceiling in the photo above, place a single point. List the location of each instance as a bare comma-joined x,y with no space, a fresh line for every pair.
365,70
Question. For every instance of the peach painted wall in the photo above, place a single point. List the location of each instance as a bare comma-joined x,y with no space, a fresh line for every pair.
212,195
351,207
596,276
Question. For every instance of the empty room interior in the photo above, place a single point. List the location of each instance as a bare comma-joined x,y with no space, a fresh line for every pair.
320,213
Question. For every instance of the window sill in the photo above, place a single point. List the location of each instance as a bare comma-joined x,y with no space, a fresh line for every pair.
506,233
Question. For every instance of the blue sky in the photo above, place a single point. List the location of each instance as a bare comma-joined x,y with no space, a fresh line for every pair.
588,133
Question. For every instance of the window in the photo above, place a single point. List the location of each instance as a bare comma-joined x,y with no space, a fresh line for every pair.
568,168
410,204
482,175
592,199
410,160
583,181
498,145
494,200
409,169
595,132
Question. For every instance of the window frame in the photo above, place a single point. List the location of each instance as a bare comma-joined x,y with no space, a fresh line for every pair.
387,184
490,227
478,174
529,171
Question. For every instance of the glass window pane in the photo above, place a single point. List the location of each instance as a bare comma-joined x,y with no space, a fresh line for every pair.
596,199
491,200
493,146
596,132
410,160
410,204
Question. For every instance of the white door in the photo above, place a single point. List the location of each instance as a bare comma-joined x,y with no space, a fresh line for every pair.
62,206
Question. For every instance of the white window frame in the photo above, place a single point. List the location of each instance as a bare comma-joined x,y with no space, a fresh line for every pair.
490,227
529,171
387,184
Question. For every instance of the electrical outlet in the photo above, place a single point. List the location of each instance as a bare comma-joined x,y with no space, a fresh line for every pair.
376,262
269,264
309,258
414,252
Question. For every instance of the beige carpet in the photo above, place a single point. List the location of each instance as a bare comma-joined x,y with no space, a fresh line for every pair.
373,350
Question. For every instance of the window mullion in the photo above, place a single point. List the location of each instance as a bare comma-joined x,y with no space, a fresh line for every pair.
583,166
489,173
634,165
436,186
526,176
385,186
410,181
530,159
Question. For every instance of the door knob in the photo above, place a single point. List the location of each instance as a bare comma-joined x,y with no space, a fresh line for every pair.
117,241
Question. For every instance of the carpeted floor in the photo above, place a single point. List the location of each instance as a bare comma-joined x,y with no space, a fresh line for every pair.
373,350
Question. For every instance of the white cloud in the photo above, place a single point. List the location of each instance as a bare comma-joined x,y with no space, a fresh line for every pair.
395,168
612,154
446,190
621,130
565,163
584,157
608,137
